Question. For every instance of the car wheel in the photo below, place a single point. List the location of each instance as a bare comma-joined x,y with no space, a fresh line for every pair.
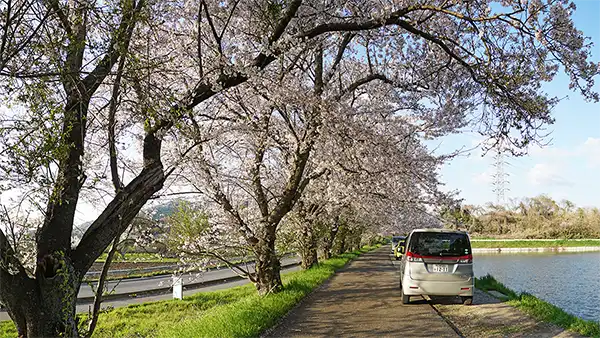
405,298
467,300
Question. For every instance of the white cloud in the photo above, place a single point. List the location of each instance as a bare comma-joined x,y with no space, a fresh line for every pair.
484,177
551,152
547,174
591,151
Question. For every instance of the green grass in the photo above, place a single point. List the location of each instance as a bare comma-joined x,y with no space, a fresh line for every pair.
489,283
138,257
235,312
8,329
534,244
541,310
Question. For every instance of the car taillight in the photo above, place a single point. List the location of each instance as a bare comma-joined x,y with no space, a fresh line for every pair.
465,259
412,257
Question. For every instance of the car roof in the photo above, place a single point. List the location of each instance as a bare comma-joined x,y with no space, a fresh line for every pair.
440,231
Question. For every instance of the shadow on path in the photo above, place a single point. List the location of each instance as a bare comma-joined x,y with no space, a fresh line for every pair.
363,300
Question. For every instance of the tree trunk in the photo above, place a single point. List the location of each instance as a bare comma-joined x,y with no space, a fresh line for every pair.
341,244
308,244
356,239
44,306
267,276
329,240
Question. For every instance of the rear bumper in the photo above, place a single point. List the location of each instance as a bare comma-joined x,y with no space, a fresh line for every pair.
412,287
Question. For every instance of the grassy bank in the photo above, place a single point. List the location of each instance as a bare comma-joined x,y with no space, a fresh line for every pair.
541,310
533,243
138,257
235,312
169,272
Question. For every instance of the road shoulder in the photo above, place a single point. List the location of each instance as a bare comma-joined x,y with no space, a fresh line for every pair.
489,317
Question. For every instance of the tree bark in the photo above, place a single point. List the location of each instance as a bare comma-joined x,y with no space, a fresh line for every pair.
341,244
308,244
267,276
330,238
44,306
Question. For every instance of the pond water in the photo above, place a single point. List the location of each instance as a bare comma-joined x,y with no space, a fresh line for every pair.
570,281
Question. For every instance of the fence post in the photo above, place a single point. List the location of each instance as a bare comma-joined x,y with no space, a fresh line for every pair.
177,286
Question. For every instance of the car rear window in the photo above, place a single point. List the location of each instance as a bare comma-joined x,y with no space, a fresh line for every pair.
439,244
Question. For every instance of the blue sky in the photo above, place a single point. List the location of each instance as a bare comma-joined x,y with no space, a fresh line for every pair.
568,168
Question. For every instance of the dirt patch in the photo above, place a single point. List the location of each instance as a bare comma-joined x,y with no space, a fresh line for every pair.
489,317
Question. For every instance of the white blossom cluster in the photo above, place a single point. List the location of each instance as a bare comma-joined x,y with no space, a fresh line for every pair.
260,104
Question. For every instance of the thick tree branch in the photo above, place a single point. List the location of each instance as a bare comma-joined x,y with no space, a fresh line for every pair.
369,78
290,193
112,110
259,154
439,42
350,26
338,58
54,5
216,35
204,91
319,82
222,199
8,257
121,38
244,273
123,208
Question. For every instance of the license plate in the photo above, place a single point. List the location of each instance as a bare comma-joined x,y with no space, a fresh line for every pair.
439,267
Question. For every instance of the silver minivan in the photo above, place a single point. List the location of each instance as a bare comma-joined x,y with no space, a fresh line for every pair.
437,262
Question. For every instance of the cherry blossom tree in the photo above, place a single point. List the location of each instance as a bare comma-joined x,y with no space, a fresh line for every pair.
181,62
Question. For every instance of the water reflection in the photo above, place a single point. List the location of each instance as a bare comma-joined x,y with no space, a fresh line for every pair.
568,280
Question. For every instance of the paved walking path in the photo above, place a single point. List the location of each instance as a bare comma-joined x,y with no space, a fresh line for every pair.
363,300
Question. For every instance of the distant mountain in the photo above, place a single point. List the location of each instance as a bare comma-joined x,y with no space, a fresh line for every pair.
161,211
78,231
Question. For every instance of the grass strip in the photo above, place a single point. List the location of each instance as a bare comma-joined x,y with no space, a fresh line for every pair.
139,257
164,272
534,244
541,310
234,312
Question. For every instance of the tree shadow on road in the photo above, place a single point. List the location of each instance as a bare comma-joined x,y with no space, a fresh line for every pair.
453,300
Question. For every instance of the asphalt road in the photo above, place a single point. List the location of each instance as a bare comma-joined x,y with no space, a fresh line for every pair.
137,285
